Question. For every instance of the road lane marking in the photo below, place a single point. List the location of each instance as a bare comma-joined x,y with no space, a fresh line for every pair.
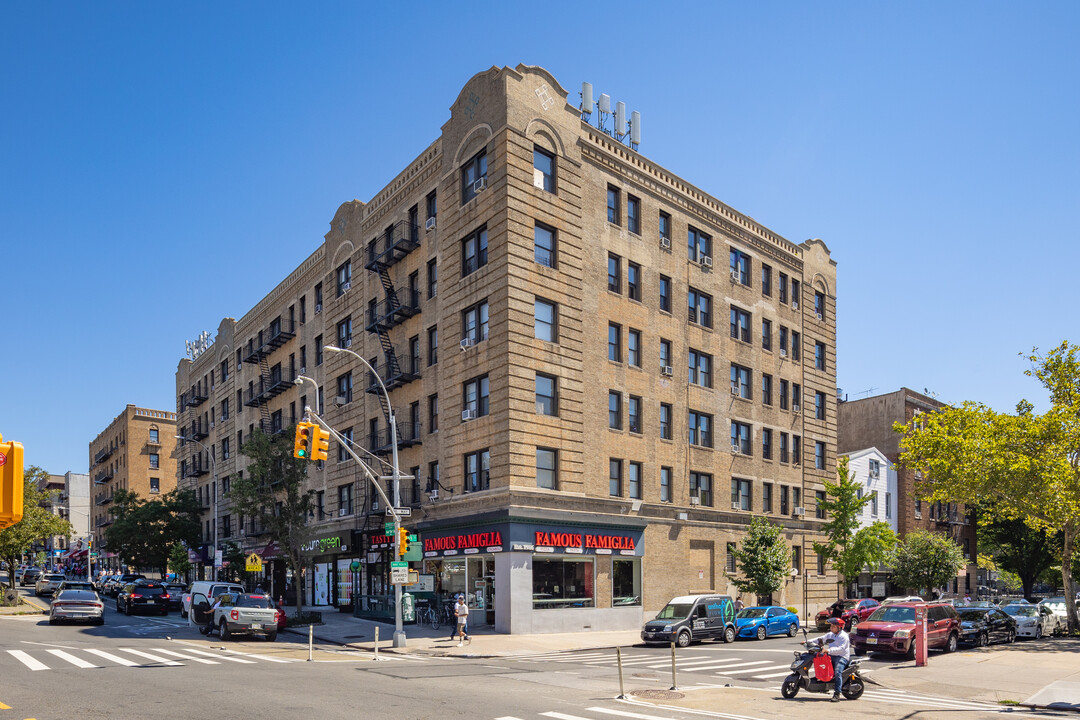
113,658
77,662
770,676
220,657
679,663
28,661
268,658
154,658
182,656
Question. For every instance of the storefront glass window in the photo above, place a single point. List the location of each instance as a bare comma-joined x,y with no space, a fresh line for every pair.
626,582
563,583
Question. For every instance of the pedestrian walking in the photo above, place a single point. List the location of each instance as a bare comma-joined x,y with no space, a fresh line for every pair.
739,603
461,612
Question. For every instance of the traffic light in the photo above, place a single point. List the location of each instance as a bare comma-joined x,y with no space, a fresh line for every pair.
320,442
403,542
11,483
302,443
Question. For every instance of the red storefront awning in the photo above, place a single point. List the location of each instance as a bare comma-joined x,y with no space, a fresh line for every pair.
270,552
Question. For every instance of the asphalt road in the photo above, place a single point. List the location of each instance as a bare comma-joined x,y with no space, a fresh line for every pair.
145,668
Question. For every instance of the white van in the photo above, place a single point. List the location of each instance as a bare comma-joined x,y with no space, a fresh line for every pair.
210,588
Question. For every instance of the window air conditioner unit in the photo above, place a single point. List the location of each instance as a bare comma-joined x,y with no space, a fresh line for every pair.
799,512
318,308
430,224
706,261
736,506
303,371
346,286
480,185
783,353
467,415
817,315
342,512
347,343
666,370
467,343
794,304
735,276
796,408
796,463
734,390
665,243
918,515
695,500
340,400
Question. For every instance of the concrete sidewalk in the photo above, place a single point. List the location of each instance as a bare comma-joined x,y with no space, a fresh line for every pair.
1018,674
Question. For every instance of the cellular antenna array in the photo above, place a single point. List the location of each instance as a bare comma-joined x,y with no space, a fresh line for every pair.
626,131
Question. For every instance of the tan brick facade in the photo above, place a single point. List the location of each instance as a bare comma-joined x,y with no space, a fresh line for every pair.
507,113
135,453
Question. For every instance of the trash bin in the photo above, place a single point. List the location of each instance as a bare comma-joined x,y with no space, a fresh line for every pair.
408,608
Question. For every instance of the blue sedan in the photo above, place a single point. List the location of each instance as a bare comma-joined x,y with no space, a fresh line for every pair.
760,622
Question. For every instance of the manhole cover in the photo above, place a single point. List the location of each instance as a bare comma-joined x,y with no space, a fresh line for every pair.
658,694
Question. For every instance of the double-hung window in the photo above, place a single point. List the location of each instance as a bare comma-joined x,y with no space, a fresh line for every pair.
613,202
819,355
740,494
614,273
474,251
698,244
740,267
699,308
614,342
633,414
474,323
700,368
547,399
665,294
543,170
477,470
740,438
615,410
633,214
544,320
475,396
344,333
544,242
766,443
633,281
344,277
700,429
740,324
633,347
741,383
701,487
547,468
474,176
665,421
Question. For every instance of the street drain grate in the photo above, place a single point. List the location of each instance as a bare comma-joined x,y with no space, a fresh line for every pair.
658,694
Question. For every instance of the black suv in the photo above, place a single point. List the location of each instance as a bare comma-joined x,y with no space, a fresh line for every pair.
146,595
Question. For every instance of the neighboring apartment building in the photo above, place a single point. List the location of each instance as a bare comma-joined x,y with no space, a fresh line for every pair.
869,423
53,484
592,438
876,477
136,453
73,504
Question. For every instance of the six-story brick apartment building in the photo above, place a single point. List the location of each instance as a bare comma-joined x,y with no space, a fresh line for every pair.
609,408
136,452
868,422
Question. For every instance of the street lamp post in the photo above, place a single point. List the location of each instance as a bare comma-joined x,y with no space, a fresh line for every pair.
214,491
399,632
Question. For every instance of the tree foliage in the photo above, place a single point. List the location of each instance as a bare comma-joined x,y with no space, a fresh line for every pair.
37,523
144,530
849,548
273,492
925,560
179,562
763,560
1016,549
1022,466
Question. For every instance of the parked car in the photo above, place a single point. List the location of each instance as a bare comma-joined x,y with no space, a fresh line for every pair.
236,614
77,605
692,617
109,585
209,589
891,628
19,573
762,621
175,591
148,595
1032,620
902,598
75,585
981,626
30,576
119,581
1056,605
47,583
852,612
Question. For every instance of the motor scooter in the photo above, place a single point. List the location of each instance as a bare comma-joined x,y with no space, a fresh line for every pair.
853,684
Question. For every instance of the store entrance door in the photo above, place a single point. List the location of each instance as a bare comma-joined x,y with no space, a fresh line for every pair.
481,578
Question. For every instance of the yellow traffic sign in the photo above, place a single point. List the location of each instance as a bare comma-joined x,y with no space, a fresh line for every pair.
254,563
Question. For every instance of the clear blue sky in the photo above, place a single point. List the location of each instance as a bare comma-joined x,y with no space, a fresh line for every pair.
165,165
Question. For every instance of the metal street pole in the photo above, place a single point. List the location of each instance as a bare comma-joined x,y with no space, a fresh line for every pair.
399,631
214,492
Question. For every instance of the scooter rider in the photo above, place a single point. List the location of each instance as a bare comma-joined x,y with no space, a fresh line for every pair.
837,643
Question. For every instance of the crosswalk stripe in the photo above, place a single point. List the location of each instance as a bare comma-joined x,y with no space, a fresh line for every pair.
76,661
182,656
270,658
220,657
113,658
681,662
718,662
562,716
771,668
909,699
154,658
27,660
774,675
642,716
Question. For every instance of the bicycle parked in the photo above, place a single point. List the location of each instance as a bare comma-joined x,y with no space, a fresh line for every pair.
426,615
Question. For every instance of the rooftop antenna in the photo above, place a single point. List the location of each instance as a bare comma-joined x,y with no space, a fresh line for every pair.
586,100
620,120
605,111
626,130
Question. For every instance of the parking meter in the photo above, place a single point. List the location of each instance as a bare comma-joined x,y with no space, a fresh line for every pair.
920,636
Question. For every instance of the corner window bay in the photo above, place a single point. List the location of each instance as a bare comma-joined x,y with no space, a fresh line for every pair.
575,572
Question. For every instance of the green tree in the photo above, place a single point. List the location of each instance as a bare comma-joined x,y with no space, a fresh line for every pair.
273,493
179,562
144,531
850,548
234,563
37,522
925,560
1023,466
1015,548
763,560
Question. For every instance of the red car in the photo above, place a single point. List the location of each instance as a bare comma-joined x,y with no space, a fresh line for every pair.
892,629
853,613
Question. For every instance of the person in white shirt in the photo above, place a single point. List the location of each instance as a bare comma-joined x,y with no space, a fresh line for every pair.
461,611
837,643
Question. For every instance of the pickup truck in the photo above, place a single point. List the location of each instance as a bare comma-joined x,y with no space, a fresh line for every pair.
235,614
